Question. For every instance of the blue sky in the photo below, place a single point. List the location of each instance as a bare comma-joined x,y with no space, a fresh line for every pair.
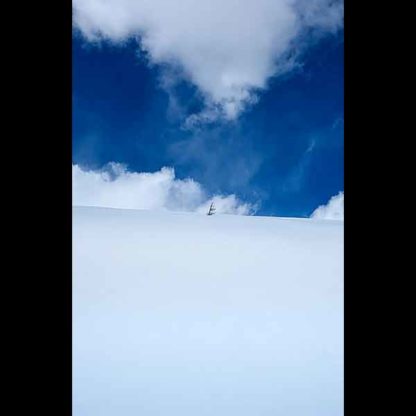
284,152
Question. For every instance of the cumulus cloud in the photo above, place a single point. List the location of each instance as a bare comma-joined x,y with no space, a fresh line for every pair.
228,49
333,210
116,187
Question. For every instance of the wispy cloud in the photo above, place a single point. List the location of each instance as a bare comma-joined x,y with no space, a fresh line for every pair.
333,210
228,49
116,187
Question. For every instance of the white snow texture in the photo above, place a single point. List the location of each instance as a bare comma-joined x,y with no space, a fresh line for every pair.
184,314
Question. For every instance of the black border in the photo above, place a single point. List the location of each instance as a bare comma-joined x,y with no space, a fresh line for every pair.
39,249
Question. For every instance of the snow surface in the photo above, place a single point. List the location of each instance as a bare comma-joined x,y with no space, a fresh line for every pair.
181,314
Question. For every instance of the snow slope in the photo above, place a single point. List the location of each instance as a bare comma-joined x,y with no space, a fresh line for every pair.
180,314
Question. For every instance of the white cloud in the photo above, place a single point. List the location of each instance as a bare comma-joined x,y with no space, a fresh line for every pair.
333,210
227,48
115,187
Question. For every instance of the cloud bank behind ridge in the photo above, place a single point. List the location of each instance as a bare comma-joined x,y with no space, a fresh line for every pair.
228,49
115,187
333,210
